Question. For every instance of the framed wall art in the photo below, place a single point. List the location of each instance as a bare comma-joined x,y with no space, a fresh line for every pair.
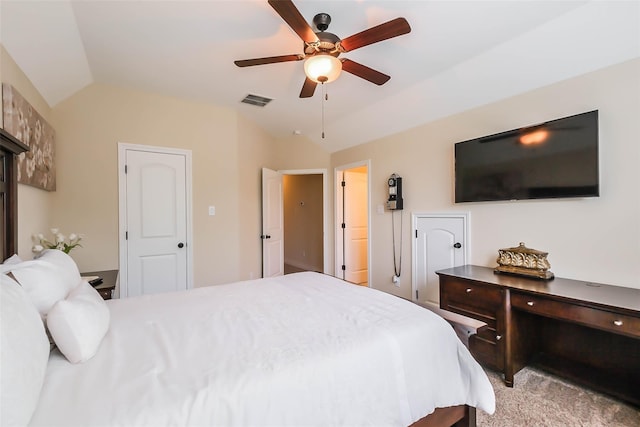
36,167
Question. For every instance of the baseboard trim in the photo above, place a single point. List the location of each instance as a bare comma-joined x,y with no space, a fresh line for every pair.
302,265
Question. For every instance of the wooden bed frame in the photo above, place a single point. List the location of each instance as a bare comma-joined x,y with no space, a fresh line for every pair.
454,416
10,147
458,416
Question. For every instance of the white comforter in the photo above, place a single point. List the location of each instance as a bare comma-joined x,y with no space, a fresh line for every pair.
302,349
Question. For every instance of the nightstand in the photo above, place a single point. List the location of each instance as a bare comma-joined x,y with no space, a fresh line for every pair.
109,279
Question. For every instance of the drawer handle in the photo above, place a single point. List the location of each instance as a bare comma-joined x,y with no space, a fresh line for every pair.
498,337
530,303
468,290
617,322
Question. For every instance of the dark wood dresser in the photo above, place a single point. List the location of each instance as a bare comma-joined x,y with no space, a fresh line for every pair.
586,332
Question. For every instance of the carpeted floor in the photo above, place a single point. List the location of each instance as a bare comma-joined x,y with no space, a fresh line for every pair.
542,400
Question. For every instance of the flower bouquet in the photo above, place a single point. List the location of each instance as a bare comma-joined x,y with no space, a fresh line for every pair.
59,241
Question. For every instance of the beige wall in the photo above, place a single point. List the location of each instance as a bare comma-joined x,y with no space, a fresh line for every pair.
91,124
257,150
595,239
592,239
303,221
299,152
34,205
228,151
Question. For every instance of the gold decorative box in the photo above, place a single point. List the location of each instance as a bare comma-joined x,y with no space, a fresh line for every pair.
524,261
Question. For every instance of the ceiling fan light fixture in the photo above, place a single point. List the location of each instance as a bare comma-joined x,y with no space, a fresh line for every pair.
322,68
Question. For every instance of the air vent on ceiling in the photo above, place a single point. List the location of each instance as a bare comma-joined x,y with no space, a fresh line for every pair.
260,101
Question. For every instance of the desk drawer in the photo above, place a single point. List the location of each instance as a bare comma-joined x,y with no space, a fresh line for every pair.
470,298
588,316
486,352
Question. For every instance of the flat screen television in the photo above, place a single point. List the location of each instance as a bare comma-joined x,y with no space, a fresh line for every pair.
555,159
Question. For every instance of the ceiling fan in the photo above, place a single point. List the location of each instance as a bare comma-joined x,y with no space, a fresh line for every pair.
322,48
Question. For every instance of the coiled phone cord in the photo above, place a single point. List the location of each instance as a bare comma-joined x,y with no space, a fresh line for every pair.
397,266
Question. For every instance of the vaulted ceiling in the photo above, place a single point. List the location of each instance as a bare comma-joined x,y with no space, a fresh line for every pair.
459,55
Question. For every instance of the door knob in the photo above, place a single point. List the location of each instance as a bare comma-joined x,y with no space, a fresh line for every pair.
181,245
457,245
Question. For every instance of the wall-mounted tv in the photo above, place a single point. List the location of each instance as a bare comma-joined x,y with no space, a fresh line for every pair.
555,159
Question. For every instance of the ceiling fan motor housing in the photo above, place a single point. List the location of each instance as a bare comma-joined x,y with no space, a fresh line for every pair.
326,43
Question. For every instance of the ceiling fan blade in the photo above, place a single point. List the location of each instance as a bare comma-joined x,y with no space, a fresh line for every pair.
308,88
292,16
364,72
390,29
268,60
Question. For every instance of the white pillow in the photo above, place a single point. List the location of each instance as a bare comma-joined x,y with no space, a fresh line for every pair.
47,279
79,323
24,352
13,259
64,262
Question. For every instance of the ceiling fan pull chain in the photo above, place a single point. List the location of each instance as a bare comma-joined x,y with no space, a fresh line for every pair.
324,97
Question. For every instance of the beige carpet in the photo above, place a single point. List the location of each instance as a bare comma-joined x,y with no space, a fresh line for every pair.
541,400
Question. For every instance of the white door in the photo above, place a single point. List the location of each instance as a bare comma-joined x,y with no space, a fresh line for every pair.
272,224
156,223
355,229
440,242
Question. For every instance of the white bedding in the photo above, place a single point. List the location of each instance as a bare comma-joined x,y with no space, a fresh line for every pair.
301,349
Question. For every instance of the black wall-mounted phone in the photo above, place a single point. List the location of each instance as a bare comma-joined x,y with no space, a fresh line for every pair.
395,193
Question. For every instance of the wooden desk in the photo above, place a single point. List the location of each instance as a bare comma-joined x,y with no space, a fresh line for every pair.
109,280
587,332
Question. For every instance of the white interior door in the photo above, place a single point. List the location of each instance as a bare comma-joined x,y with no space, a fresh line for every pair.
156,223
272,224
355,226
440,242
352,241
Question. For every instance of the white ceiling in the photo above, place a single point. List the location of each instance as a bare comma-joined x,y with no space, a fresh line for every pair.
459,55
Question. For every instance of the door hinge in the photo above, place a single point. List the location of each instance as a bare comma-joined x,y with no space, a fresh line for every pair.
343,183
344,267
416,234
417,295
126,235
125,169
344,225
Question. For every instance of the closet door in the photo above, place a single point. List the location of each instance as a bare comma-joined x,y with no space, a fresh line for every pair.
440,242
156,215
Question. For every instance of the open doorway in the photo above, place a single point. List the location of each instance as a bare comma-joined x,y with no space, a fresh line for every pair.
275,230
303,222
352,223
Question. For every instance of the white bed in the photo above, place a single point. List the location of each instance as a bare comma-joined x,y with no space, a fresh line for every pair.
301,349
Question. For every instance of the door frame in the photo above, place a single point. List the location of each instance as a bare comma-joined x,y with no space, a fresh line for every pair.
325,208
336,221
123,147
414,241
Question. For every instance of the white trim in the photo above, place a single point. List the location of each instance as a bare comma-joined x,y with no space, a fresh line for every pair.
337,229
325,209
300,265
466,238
122,208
